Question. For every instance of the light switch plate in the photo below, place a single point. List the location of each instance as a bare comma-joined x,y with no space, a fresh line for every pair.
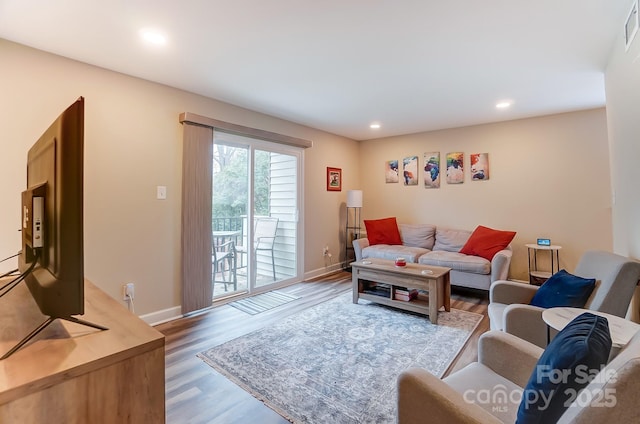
161,192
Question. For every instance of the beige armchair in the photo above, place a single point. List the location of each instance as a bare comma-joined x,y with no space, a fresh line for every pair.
616,279
488,391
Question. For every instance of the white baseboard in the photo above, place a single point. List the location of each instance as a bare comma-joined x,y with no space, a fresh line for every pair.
322,271
170,314
159,317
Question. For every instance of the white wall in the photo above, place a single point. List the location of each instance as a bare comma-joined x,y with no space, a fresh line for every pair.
622,84
133,144
549,177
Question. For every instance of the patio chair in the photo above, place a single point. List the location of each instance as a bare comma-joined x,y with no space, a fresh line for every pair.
223,259
264,237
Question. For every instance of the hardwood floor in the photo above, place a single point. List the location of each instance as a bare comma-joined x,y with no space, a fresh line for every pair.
195,393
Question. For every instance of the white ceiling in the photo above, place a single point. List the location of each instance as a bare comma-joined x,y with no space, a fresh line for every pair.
338,65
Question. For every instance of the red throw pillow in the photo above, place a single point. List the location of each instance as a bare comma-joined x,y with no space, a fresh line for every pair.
486,242
382,231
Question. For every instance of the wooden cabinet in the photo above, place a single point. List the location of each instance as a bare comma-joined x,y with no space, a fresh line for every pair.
75,374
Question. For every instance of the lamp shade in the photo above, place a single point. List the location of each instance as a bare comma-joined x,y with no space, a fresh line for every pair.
354,198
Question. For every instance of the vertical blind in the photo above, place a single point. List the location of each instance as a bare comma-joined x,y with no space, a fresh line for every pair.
197,182
197,186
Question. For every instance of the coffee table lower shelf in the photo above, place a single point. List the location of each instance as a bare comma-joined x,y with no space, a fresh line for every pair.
419,305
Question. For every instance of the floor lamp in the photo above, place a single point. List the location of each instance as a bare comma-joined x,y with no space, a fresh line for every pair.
352,231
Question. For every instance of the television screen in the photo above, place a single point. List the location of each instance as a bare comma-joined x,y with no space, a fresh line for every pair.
55,239
52,260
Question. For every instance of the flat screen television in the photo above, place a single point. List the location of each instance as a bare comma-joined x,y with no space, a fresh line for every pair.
55,171
52,260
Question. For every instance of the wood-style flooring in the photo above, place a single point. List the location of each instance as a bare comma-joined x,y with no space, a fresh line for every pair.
195,393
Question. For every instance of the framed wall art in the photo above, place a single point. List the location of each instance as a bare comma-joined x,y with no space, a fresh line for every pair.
479,166
455,171
410,170
334,179
432,170
391,171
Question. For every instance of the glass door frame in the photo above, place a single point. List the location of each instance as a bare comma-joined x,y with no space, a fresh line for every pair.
252,145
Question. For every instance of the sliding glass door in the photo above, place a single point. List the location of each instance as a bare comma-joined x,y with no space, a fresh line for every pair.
256,201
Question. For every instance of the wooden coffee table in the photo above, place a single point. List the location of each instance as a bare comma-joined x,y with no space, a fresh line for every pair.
434,279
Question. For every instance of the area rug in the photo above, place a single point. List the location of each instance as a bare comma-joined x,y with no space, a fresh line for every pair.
338,362
263,302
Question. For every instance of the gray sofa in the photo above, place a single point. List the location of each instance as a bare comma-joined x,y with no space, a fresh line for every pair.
430,245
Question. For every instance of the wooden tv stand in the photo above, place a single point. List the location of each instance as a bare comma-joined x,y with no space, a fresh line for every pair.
71,373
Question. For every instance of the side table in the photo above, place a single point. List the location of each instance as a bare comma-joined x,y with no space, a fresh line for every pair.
622,330
536,276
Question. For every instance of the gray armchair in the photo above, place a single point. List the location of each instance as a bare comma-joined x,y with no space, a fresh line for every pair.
504,365
616,279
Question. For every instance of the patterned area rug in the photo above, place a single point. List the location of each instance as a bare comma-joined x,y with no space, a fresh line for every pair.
338,362
263,302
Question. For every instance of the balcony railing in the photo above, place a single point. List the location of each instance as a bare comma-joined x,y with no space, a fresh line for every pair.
227,224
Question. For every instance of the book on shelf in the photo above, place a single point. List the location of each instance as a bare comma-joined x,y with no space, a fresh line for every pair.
407,291
405,294
403,298
379,292
377,289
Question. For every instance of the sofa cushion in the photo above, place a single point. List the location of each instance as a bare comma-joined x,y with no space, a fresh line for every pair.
579,351
450,240
418,235
456,261
382,231
486,242
564,289
391,252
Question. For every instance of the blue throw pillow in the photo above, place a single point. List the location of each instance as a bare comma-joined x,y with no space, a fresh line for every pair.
564,289
568,364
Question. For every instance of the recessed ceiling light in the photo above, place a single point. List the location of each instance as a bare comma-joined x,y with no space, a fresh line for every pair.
374,126
503,105
153,36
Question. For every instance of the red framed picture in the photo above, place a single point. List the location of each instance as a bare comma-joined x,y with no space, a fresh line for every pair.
334,179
